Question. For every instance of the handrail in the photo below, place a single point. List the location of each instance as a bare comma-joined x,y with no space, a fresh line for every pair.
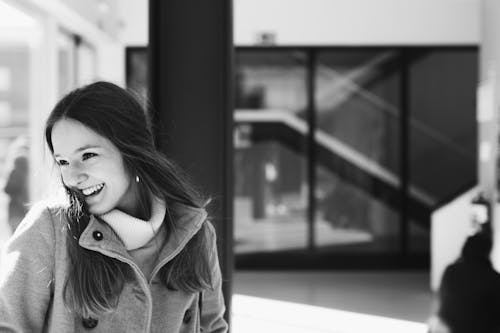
335,146
345,82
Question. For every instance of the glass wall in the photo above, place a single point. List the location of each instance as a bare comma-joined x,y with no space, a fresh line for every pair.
19,33
394,135
14,129
270,152
357,110
442,102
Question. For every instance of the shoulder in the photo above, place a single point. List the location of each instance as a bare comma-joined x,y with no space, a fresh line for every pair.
457,269
210,228
43,218
211,242
210,232
32,247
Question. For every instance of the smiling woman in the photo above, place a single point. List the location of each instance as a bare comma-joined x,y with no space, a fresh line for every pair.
92,166
133,233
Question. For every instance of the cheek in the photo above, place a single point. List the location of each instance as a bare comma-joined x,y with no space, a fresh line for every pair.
65,176
113,173
122,175
118,178
124,181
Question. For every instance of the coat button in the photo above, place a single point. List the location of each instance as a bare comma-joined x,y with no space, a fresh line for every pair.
97,235
187,316
89,323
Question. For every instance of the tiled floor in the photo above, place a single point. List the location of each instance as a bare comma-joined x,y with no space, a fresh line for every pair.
333,302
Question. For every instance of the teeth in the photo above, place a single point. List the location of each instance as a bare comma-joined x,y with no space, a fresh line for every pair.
93,189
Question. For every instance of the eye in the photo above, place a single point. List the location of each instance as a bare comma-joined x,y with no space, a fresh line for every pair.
61,162
86,156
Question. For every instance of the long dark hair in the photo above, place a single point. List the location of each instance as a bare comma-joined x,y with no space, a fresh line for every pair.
95,281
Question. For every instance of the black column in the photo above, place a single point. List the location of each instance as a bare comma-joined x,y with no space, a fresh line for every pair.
311,145
404,150
190,82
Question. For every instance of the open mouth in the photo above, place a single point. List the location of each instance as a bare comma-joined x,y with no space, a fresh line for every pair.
93,190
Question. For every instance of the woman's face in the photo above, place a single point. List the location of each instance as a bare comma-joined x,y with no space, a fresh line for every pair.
93,166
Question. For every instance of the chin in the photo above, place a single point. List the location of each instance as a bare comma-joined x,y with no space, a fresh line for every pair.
98,210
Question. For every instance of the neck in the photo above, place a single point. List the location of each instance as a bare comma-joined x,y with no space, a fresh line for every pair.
137,212
138,205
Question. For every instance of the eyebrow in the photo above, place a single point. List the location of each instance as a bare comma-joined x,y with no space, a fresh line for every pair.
82,148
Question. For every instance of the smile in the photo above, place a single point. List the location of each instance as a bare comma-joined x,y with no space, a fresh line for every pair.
93,190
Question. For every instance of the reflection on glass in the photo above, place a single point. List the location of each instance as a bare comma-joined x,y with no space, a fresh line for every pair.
14,123
357,143
357,102
137,72
442,127
349,219
443,85
270,154
271,80
270,199
16,180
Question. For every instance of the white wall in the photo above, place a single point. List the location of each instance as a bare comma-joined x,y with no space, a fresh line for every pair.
450,226
358,22
335,22
134,22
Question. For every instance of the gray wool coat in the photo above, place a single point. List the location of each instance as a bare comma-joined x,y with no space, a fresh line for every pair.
34,267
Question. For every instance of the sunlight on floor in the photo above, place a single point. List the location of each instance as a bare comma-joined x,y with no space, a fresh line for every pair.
254,314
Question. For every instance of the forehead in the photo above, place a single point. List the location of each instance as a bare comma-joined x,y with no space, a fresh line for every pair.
69,135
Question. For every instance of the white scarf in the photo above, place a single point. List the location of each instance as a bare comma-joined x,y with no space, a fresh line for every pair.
135,232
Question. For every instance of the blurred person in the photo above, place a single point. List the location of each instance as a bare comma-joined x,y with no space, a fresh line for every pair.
16,185
129,250
469,295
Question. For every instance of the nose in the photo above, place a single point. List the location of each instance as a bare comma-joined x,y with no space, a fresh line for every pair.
74,175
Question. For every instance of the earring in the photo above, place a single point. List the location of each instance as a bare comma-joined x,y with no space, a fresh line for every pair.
137,179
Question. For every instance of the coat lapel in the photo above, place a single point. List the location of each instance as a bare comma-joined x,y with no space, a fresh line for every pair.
99,236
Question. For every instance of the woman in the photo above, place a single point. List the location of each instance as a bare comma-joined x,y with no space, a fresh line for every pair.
131,249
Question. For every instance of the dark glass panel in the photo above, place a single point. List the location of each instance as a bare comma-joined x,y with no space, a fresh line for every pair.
442,104
357,144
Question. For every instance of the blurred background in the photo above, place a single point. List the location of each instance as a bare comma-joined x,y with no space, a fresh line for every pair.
355,142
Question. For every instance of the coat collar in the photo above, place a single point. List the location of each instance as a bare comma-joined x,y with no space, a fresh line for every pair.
100,237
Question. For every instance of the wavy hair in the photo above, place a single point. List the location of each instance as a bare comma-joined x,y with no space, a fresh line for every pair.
95,281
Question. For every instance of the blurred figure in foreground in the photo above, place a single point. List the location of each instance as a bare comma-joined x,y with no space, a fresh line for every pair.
16,185
469,294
